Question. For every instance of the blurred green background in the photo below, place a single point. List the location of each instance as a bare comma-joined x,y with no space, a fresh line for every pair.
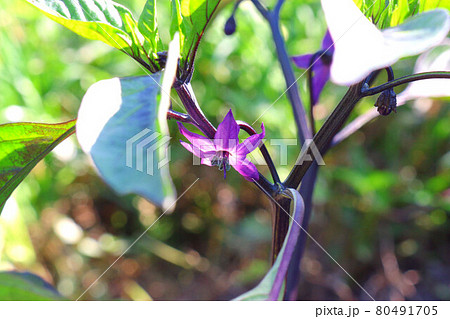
381,206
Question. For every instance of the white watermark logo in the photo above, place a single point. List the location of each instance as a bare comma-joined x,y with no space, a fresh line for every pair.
148,151
141,149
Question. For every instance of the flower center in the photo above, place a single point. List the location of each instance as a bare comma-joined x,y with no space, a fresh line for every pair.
221,161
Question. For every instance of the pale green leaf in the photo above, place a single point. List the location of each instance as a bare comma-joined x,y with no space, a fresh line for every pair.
16,286
102,20
118,127
393,12
190,18
148,26
22,146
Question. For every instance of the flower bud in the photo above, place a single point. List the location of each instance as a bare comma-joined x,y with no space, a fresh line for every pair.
386,102
230,26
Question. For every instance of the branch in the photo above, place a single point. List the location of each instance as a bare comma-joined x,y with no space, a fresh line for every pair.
293,275
187,97
277,9
313,60
262,9
404,80
326,133
365,118
291,82
265,153
354,126
292,90
180,117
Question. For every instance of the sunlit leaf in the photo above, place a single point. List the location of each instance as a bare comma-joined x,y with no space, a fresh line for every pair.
433,4
25,286
102,20
270,287
148,26
393,12
190,18
361,48
118,127
22,146
436,59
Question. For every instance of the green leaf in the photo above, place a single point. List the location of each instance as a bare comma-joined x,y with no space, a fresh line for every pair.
267,289
433,4
118,127
393,12
190,18
16,286
148,26
102,20
22,146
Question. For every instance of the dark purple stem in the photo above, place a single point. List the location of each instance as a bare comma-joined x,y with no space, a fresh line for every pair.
187,97
313,60
280,224
265,153
290,243
365,118
180,117
306,191
404,80
307,186
273,17
324,136
354,126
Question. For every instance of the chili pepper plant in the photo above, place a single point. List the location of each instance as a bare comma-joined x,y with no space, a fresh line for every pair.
122,122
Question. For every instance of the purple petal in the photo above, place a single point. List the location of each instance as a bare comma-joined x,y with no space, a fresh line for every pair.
250,143
199,141
226,137
327,42
198,151
246,169
320,78
207,161
302,61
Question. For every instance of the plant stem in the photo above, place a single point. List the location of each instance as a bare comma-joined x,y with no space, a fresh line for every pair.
390,73
263,10
308,181
291,82
265,153
280,221
354,126
306,191
371,114
404,80
273,18
313,59
180,117
187,97
326,133
278,6
323,139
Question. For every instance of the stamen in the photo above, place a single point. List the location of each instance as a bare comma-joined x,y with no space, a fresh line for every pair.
221,161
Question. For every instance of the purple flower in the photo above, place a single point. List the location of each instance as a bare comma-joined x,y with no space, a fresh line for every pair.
225,150
321,65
